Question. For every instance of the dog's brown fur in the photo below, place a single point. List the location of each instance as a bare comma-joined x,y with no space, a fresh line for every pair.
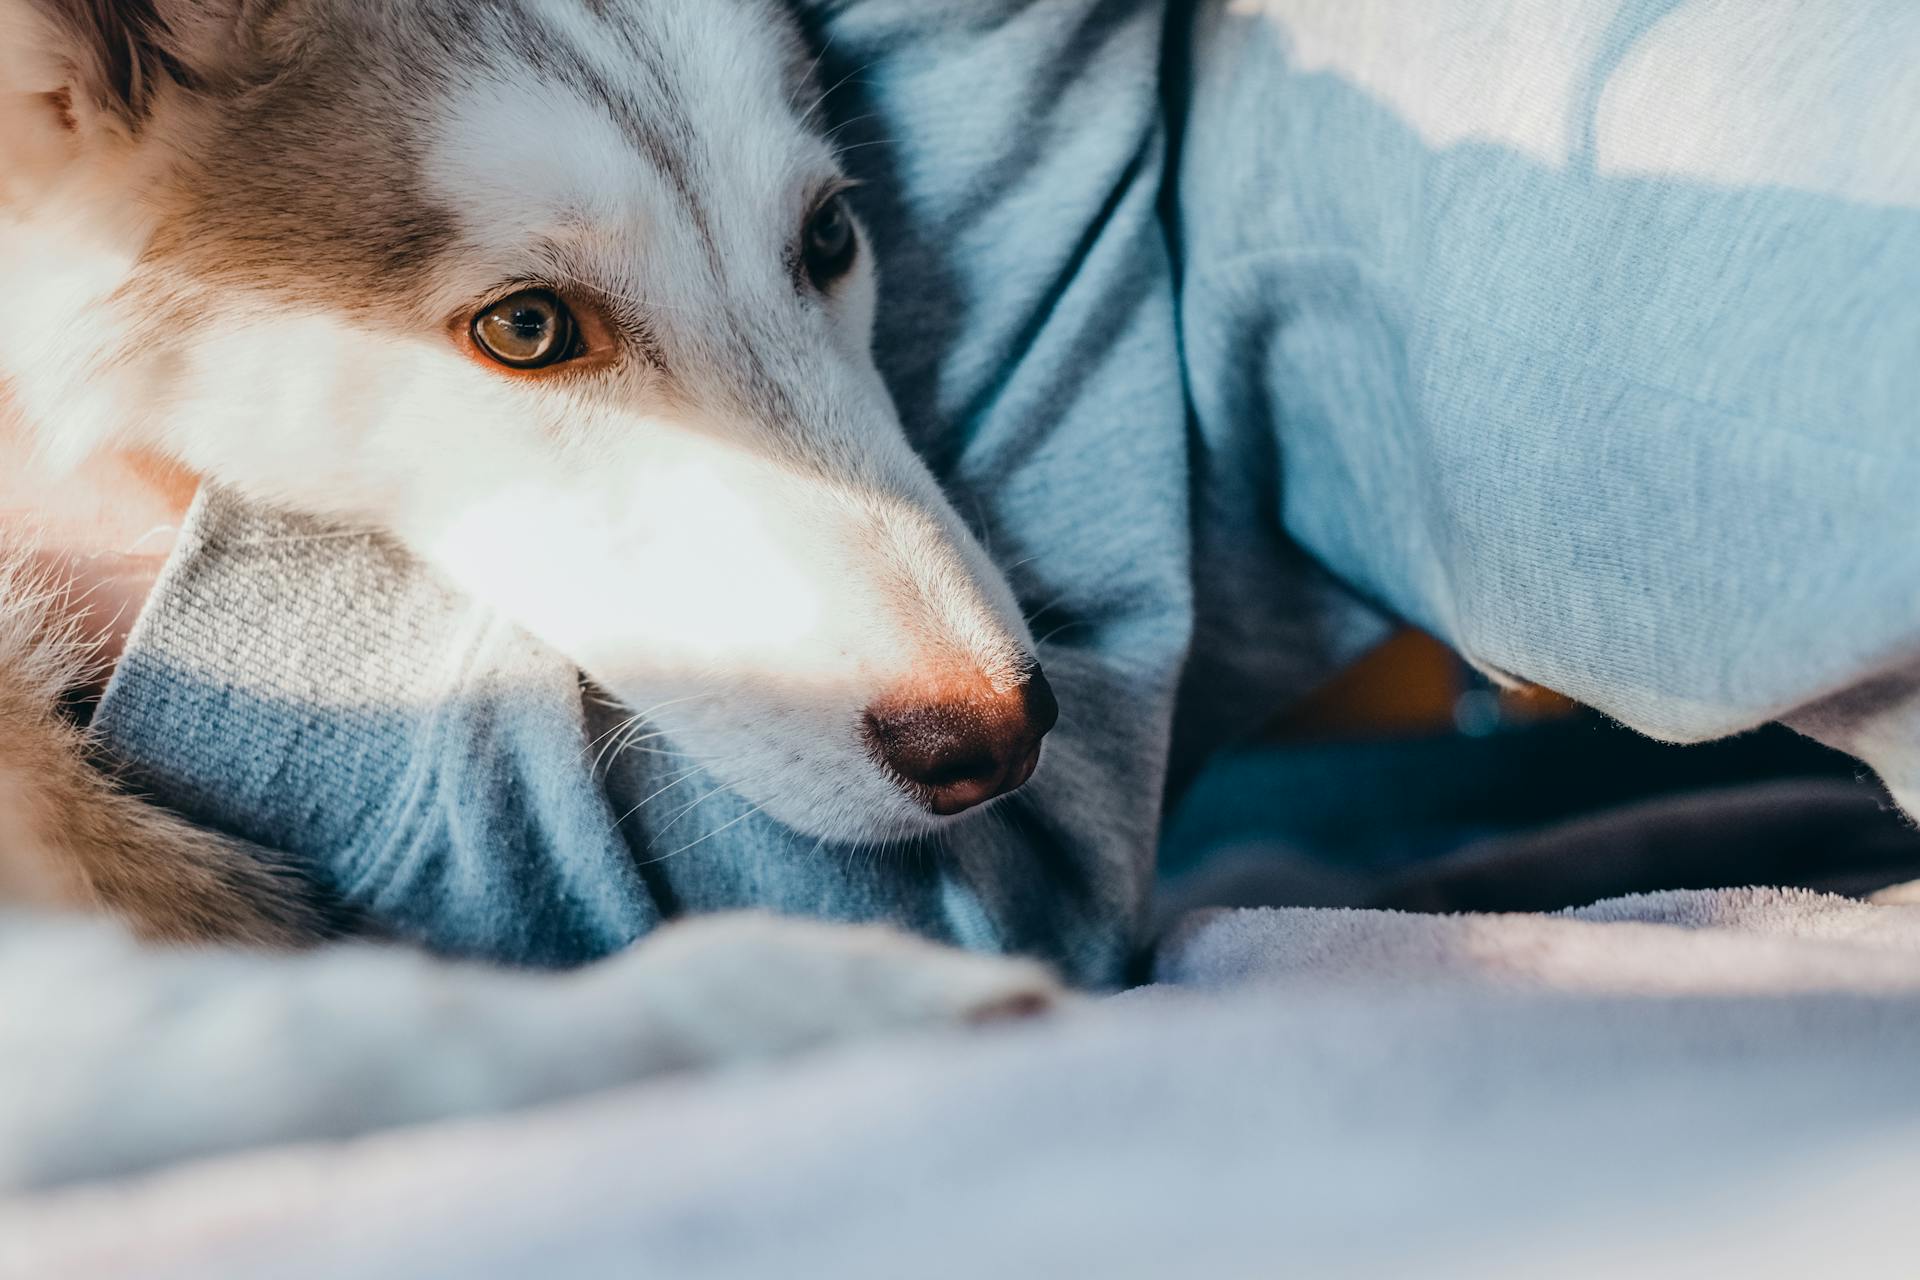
70,838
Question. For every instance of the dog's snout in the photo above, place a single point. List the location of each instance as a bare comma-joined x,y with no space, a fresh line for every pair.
963,747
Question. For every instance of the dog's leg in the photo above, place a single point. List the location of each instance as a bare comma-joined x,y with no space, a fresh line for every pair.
70,839
114,1060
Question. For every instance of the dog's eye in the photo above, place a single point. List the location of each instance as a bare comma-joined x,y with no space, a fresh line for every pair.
530,330
830,243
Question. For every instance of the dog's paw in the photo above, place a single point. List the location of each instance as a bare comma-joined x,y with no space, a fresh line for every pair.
747,986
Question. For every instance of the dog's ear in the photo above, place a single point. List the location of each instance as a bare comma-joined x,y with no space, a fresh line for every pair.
102,63
113,54
75,74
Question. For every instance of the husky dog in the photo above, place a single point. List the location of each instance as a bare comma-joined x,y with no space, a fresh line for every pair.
566,297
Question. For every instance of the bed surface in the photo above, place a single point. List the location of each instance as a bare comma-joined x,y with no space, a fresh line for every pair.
1654,1085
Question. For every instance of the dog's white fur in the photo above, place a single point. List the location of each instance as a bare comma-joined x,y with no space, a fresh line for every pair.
243,234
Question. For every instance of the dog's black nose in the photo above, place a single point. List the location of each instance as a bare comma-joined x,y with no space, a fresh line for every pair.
966,744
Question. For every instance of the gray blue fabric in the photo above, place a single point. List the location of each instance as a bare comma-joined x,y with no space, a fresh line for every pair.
1586,334
1583,333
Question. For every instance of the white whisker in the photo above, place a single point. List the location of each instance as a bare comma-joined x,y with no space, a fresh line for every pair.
703,839
682,812
1048,607
1068,626
827,95
679,778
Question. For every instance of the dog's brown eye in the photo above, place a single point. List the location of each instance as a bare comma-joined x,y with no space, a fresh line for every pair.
530,330
830,243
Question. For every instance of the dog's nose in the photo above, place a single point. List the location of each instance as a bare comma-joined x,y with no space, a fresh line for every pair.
962,749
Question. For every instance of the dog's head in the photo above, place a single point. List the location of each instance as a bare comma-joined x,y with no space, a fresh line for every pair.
564,294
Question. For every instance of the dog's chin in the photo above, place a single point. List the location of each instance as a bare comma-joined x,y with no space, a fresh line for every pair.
875,812
860,807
